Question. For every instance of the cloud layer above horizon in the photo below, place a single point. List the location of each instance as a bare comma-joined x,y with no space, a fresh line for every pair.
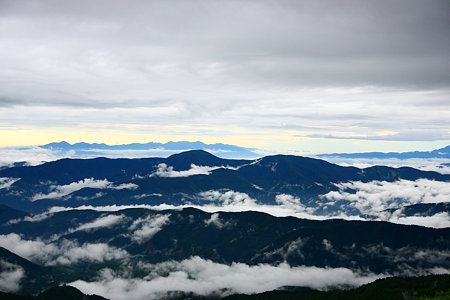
228,69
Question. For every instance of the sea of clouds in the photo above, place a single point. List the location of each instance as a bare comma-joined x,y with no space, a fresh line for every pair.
193,275
205,277
381,200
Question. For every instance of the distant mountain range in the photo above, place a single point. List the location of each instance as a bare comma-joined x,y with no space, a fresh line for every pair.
224,150
95,149
438,153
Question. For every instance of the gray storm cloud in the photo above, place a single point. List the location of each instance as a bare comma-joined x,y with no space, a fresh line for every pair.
354,42
304,64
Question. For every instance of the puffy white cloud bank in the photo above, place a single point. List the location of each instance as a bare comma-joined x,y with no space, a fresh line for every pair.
215,220
144,229
106,221
62,253
164,170
227,198
59,191
6,182
34,218
33,155
10,276
440,220
371,198
274,210
205,277
376,196
424,164
290,202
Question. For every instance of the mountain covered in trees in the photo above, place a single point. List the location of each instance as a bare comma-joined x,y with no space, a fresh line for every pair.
197,226
200,178
70,245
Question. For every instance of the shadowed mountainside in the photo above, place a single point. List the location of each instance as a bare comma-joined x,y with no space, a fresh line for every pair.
182,178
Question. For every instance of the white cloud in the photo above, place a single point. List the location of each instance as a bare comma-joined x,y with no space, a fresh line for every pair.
227,197
274,210
124,186
216,221
33,155
58,191
34,250
439,220
376,196
101,222
438,271
205,277
327,244
72,252
145,228
114,207
167,171
410,254
63,252
287,200
424,164
292,202
106,221
6,182
34,218
289,248
147,195
10,276
231,201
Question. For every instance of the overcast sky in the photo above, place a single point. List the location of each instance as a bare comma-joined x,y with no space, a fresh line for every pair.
287,76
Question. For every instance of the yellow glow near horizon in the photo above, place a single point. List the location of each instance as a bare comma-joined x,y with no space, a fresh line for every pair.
27,137
267,141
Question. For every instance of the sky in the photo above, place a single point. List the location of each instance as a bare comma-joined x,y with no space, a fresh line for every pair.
286,76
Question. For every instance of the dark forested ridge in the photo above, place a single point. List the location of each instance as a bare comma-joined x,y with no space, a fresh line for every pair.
247,237
54,293
102,181
47,240
432,287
